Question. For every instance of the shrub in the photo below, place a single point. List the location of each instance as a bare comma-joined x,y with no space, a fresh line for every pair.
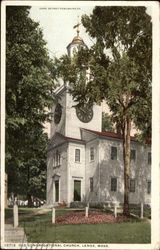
78,204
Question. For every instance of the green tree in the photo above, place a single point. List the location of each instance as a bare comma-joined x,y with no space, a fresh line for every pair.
107,124
121,71
29,94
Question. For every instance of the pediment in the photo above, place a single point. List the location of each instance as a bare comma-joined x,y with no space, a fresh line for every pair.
56,176
56,140
87,135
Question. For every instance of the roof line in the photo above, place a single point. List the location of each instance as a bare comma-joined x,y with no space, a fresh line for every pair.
113,135
108,134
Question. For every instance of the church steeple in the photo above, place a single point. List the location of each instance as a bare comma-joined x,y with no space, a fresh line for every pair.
76,42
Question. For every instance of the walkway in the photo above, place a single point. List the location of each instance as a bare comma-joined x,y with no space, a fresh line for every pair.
17,235
14,235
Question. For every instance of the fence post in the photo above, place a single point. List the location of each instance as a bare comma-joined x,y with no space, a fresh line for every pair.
88,205
15,215
115,210
141,210
53,215
86,214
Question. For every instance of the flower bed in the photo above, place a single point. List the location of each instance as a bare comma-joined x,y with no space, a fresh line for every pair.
94,217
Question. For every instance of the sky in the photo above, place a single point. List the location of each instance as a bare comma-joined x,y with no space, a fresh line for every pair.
57,24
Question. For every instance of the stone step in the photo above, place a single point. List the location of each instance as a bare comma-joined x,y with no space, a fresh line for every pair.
15,240
14,234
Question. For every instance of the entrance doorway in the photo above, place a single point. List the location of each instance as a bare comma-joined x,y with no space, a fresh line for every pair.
77,190
56,191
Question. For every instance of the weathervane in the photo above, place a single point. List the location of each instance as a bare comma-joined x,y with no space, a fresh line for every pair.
77,26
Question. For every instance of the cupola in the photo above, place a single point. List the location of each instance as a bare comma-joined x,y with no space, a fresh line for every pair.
76,43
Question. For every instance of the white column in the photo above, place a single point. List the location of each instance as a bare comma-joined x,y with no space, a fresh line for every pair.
53,215
141,210
86,213
15,215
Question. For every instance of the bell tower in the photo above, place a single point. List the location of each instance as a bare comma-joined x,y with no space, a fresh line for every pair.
67,118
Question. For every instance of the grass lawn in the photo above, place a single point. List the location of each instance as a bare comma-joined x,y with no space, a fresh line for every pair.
100,233
39,229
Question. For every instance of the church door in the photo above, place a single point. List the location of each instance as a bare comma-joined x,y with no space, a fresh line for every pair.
56,191
77,190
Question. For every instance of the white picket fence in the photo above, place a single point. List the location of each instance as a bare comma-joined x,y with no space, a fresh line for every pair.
115,207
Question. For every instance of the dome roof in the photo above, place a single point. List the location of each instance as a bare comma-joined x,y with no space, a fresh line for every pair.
76,42
77,39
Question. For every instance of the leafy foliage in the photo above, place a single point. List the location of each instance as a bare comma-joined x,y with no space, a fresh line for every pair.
107,124
29,89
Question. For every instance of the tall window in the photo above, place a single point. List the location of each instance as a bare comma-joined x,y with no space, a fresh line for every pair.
149,158
91,184
132,185
54,161
148,187
77,155
91,153
57,159
114,184
113,153
133,155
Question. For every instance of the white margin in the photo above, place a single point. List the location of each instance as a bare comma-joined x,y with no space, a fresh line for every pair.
3,50
155,171
155,225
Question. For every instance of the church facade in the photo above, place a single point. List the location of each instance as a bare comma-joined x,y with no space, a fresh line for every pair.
86,164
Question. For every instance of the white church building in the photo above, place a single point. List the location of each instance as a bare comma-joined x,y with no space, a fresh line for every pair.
85,164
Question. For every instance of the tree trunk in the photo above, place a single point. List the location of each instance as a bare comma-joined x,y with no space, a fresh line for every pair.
126,155
30,202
